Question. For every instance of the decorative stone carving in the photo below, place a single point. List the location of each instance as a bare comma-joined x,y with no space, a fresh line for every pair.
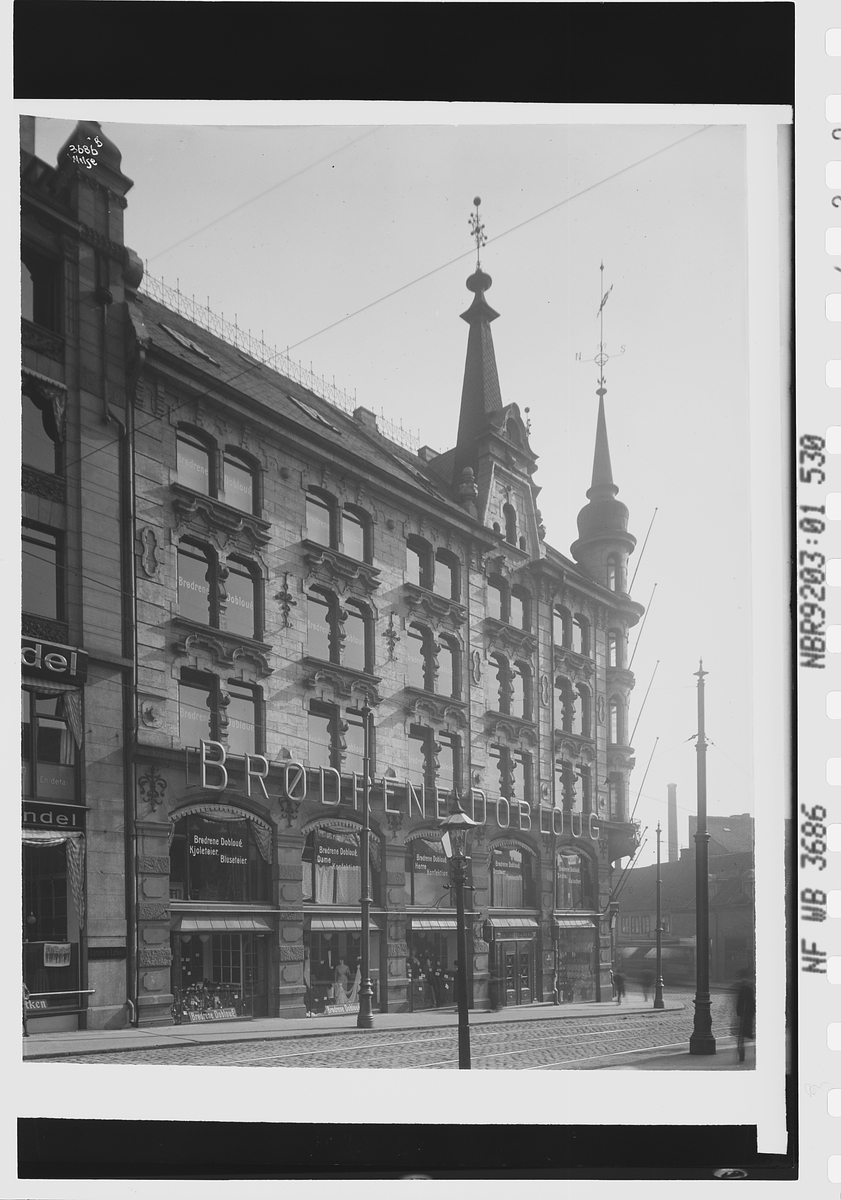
293,953
476,667
42,341
226,649
508,639
153,864
149,560
289,810
437,710
600,709
512,729
435,610
151,714
225,525
391,637
574,666
43,627
339,571
93,238
398,950
395,823
342,682
152,787
157,957
286,600
545,690
50,487
571,745
50,396
153,912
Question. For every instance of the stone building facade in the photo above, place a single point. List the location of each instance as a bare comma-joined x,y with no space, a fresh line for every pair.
298,573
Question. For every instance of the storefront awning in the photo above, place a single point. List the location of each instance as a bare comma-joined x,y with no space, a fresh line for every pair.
574,923
354,924
442,922
513,923
216,924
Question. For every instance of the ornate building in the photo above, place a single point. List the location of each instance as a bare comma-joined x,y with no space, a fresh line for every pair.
295,569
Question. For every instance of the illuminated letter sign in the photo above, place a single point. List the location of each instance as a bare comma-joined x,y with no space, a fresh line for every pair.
260,776
51,660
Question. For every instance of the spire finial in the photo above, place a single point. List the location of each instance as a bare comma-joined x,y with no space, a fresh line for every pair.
601,358
477,231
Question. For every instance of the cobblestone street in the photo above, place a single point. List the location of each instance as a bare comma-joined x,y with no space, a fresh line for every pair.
587,1043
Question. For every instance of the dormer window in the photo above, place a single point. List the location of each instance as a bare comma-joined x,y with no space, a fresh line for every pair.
510,515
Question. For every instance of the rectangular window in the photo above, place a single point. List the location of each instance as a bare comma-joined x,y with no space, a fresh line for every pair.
319,726
318,627
447,762
635,924
239,486
416,772
645,924
40,290
623,925
517,615
495,607
39,450
194,713
414,570
242,721
241,617
445,683
354,760
41,573
445,579
193,464
48,749
415,658
353,651
193,585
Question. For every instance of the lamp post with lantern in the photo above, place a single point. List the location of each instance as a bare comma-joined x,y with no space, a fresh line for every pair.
455,840
365,1016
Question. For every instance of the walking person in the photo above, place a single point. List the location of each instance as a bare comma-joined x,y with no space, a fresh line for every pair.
745,1011
619,986
647,981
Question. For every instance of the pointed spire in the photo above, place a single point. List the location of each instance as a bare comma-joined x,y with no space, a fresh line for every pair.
602,484
603,521
480,395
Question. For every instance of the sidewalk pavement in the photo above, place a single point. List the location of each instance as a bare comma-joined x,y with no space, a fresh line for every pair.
726,1058
98,1041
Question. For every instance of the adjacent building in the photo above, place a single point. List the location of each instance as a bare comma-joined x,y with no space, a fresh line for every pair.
263,576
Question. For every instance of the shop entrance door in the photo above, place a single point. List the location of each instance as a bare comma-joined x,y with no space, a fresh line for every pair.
517,971
219,976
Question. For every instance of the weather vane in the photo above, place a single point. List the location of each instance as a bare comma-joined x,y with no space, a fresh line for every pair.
477,230
602,357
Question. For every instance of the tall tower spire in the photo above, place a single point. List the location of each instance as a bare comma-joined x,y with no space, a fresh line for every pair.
604,542
480,395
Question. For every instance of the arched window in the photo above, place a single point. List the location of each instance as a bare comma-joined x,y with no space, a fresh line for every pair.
511,877
520,608
521,703
581,635
616,793
582,724
194,462
497,598
331,861
356,534
564,705
616,723
220,860
319,516
419,562
239,477
355,651
510,515
427,873
614,648
614,572
241,613
513,434
447,682
336,738
446,581
514,771
573,882
562,626
196,593
434,761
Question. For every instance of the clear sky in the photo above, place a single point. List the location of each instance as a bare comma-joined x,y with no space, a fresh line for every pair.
294,229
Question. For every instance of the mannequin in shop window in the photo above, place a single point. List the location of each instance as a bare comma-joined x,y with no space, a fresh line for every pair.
340,981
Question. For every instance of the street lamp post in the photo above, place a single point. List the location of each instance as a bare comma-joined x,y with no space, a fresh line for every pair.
455,841
365,1016
658,970
702,1040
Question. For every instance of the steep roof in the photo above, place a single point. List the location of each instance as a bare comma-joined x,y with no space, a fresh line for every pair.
733,835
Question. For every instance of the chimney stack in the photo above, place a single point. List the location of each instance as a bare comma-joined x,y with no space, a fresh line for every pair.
672,822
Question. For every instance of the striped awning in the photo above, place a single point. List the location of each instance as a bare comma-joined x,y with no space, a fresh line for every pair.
574,923
513,923
239,923
440,922
330,924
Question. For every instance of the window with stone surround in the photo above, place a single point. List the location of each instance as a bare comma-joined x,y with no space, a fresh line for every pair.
42,590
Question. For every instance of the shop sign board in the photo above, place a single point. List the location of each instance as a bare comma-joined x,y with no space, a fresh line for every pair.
51,660
327,786
214,1014
339,1010
335,852
53,816
428,861
34,1005
228,850
56,954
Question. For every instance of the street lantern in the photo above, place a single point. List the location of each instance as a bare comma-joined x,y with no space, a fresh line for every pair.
455,840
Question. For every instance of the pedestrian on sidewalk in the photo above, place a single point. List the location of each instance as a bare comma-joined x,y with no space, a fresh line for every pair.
619,986
647,981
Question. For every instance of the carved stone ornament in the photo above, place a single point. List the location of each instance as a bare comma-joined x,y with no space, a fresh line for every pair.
226,649
545,690
391,637
575,666
508,639
152,787
50,397
149,560
211,517
151,714
342,682
571,745
286,600
512,730
436,710
289,810
43,627
339,571
433,609
600,709
395,823
42,341
49,487
476,667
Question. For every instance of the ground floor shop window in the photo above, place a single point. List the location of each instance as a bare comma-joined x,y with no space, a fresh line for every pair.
512,884
574,881
432,968
219,976
333,968
331,867
53,919
221,860
576,961
427,873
